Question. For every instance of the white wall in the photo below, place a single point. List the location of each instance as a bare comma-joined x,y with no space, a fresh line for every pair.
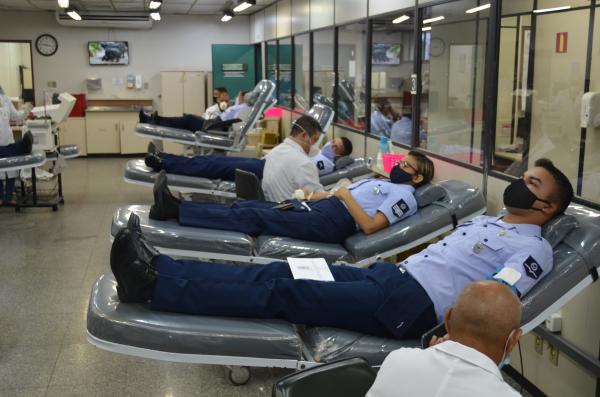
176,43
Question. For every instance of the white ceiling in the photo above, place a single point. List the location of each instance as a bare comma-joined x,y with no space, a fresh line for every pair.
169,6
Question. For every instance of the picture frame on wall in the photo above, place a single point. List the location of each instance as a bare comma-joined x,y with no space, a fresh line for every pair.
108,52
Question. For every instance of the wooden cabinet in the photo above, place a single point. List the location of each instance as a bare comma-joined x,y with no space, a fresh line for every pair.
103,132
130,141
113,132
72,132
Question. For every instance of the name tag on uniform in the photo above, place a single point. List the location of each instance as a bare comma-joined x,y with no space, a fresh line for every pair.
400,208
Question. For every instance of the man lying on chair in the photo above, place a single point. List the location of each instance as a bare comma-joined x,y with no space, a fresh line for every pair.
401,301
372,204
219,112
21,148
223,167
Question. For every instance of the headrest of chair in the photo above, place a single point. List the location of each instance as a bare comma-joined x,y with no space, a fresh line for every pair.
343,162
429,193
557,229
251,97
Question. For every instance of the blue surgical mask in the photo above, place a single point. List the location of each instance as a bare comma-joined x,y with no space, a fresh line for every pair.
506,356
398,175
328,152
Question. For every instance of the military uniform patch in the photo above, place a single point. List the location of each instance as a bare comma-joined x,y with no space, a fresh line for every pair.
532,268
400,208
320,165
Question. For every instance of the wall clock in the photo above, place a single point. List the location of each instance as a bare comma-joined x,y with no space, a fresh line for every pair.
46,45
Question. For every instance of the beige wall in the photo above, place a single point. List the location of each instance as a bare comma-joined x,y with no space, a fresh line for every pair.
591,172
150,51
12,55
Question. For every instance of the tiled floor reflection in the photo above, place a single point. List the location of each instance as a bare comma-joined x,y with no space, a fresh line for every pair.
48,262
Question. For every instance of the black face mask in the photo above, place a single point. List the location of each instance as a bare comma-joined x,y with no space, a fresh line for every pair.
518,195
398,175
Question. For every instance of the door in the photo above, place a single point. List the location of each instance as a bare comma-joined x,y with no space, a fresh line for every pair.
171,91
194,93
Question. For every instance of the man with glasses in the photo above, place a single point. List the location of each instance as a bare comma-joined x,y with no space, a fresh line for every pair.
369,205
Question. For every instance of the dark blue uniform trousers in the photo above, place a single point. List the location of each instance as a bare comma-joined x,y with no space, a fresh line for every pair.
328,221
185,122
212,167
13,150
380,300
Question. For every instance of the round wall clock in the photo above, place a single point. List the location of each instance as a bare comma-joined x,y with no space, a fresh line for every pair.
46,45
437,47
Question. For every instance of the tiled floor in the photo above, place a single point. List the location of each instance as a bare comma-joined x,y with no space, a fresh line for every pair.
48,262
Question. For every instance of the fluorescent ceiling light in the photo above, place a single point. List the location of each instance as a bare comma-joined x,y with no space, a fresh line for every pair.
477,9
227,16
244,5
73,14
433,19
426,28
155,16
63,3
401,19
540,10
155,4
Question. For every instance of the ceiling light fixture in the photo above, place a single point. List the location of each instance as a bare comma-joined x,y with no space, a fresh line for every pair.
540,10
426,29
73,14
430,20
477,9
401,19
227,16
155,15
244,5
63,3
155,4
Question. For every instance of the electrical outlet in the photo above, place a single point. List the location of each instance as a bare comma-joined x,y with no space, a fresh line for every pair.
539,345
553,357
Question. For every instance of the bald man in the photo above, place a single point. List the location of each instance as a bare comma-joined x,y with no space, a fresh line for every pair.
483,328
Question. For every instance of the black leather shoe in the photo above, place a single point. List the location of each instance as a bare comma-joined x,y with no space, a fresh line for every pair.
153,161
166,206
154,117
135,277
27,142
152,149
144,250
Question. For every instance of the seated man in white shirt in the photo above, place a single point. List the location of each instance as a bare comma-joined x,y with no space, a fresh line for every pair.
483,328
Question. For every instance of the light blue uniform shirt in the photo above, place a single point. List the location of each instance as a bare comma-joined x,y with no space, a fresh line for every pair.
402,131
395,201
325,160
380,124
475,251
232,112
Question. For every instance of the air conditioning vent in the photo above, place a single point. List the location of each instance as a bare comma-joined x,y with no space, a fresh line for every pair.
97,19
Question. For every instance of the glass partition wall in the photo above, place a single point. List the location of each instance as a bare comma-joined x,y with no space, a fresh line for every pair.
351,72
302,71
323,67
392,61
284,79
453,41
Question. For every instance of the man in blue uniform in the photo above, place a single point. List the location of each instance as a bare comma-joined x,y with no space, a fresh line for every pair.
21,148
370,204
400,301
223,167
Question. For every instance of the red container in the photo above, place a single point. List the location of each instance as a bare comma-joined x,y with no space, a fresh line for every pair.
80,106
390,160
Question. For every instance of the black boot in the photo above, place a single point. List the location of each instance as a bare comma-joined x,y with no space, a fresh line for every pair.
27,142
143,116
145,251
166,206
135,277
152,149
154,162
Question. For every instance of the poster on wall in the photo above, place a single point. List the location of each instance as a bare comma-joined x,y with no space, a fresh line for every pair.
108,52
386,54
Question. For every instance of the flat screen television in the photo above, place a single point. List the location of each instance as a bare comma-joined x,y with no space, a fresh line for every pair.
108,52
386,54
